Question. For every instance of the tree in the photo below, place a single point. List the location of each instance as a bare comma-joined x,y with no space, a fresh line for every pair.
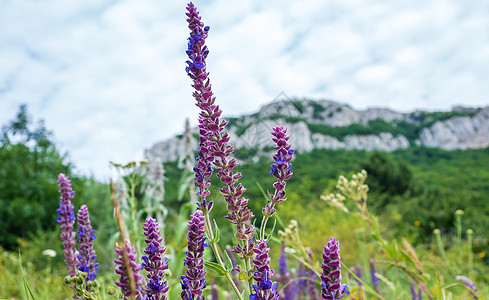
386,179
29,165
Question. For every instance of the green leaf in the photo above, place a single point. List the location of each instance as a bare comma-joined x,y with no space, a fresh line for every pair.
27,289
216,268
243,276
273,228
229,262
216,232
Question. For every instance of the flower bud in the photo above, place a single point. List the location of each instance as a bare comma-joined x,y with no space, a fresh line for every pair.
111,291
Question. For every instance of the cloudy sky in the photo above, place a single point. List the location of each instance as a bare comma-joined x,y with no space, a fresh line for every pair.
108,76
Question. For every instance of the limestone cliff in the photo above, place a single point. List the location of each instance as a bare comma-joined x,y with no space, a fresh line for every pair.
331,125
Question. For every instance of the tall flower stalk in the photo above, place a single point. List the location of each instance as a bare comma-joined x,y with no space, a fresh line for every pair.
194,282
331,287
264,289
281,169
154,263
285,280
214,150
213,138
66,219
86,235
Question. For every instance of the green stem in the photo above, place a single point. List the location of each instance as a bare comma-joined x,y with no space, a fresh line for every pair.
215,249
410,274
263,226
248,268
371,290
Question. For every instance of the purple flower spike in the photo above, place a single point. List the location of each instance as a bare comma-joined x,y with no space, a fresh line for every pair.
124,282
197,52
194,282
289,290
281,168
264,288
331,287
86,256
374,279
471,285
66,219
359,273
154,264
214,149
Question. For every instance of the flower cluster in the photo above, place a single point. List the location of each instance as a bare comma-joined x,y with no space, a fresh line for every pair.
197,53
194,282
331,287
281,168
265,289
130,281
86,235
66,219
214,149
154,264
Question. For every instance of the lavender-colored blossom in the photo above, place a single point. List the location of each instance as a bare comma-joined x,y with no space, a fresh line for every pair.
374,279
415,295
127,255
311,286
302,280
471,285
194,282
284,277
264,289
281,168
86,235
214,292
66,219
331,287
358,272
197,53
154,263
213,140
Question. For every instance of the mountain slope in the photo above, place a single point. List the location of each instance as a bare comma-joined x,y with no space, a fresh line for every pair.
330,125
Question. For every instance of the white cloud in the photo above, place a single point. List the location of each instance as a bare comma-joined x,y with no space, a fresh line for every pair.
108,76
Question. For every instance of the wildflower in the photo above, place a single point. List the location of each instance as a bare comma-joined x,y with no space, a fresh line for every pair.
197,52
302,281
194,282
214,149
289,290
49,253
281,169
311,282
154,264
471,285
215,292
331,287
66,219
359,273
265,288
86,235
373,277
416,295
130,279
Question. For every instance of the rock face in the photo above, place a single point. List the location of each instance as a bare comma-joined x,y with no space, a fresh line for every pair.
458,132
330,125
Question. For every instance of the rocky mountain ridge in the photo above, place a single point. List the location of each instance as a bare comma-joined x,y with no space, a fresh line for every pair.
331,125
